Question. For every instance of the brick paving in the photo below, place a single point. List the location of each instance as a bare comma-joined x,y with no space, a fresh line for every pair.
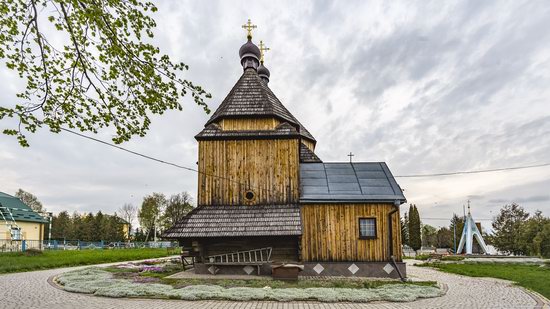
31,290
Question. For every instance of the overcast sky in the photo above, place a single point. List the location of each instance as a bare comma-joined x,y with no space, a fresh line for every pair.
426,87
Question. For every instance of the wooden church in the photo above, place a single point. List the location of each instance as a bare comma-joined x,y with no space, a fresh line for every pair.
266,198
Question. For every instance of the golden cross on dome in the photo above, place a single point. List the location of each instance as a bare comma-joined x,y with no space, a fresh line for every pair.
263,49
248,27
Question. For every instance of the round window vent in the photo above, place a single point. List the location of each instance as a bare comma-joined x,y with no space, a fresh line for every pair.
249,195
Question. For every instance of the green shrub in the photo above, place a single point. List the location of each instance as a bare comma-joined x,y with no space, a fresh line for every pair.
33,252
452,258
422,257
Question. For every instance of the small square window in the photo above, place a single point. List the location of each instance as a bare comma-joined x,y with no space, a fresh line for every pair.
367,228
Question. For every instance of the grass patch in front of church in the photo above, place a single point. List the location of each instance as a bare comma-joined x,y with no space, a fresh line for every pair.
300,284
148,281
20,262
533,277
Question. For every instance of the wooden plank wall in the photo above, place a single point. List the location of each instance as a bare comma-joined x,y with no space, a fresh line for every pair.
249,123
268,167
331,233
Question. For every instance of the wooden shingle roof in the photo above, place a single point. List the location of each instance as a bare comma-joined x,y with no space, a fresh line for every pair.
251,97
234,221
308,156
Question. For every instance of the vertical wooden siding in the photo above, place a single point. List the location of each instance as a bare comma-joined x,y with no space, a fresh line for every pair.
267,167
249,123
331,233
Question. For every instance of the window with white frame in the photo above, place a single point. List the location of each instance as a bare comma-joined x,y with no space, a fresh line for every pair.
15,233
367,228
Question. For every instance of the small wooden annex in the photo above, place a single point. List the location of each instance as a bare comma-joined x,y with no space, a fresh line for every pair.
265,197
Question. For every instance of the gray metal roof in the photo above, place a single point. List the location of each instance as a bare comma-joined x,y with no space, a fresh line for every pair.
348,182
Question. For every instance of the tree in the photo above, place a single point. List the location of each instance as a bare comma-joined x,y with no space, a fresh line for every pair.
456,227
507,227
88,227
415,240
405,229
429,236
149,214
114,229
128,212
139,235
30,200
61,226
533,234
87,65
98,231
444,238
77,228
178,206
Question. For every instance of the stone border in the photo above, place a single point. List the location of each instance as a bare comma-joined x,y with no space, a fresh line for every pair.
542,302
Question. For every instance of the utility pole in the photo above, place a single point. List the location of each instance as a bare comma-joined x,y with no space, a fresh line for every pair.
155,228
50,215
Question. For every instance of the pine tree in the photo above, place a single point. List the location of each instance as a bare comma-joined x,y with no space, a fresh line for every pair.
405,229
415,240
61,226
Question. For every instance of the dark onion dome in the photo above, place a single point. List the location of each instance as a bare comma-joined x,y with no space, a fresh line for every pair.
249,49
263,72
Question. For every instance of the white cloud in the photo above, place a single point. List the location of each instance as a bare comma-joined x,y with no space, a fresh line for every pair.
427,87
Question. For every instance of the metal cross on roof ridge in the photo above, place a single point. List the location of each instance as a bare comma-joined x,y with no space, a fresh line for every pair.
263,48
248,27
350,155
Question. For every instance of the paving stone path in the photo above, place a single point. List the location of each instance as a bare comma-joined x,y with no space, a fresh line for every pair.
31,290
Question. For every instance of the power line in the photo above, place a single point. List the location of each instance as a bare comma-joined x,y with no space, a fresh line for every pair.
475,171
449,219
221,177
159,160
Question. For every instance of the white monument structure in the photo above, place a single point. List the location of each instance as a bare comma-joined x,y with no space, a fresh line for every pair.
468,233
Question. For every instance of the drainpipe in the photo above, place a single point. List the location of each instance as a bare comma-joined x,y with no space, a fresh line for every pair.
390,230
390,237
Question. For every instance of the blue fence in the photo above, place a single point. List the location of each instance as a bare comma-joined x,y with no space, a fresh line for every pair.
23,245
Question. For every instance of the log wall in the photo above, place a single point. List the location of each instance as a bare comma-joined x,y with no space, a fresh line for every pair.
331,233
269,168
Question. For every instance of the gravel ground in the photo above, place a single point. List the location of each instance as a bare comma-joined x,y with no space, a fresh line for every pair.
32,290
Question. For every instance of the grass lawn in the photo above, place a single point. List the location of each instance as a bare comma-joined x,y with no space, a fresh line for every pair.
19,262
529,276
